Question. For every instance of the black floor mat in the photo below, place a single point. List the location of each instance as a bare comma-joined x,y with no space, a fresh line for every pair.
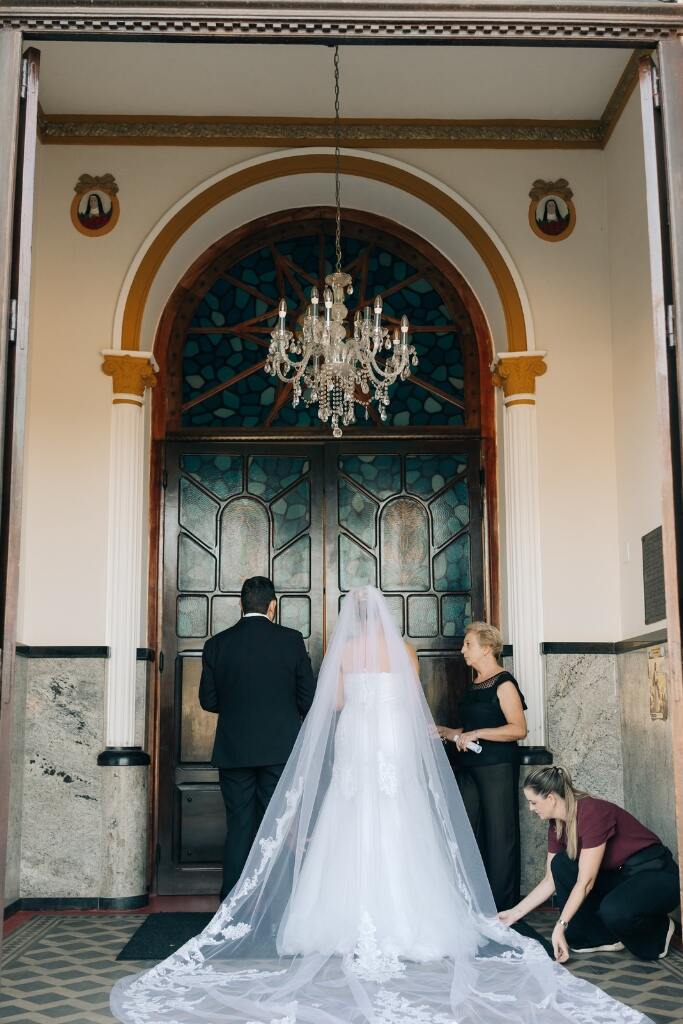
159,935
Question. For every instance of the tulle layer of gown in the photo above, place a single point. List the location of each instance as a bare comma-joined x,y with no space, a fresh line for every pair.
364,899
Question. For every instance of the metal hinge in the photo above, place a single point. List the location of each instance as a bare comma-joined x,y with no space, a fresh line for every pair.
164,479
161,661
24,79
656,95
13,321
670,327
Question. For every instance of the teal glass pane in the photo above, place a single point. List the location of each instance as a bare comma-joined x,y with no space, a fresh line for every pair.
452,566
295,612
291,513
196,566
357,567
423,615
268,475
440,361
378,474
225,612
456,614
192,615
197,512
404,545
245,404
395,604
220,474
413,406
302,416
244,542
292,567
212,359
427,474
357,513
450,512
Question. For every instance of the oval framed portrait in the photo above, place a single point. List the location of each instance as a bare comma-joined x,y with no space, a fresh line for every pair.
552,216
95,212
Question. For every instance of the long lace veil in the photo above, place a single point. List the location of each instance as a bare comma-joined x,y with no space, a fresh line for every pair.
239,970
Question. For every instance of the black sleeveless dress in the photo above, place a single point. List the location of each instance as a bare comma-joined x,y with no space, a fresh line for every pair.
480,709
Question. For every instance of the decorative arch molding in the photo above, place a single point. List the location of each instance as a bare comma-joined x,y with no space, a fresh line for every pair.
506,283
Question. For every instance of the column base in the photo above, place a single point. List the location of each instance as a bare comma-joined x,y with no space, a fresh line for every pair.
123,757
535,755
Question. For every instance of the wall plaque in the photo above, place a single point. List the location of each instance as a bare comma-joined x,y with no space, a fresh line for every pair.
653,576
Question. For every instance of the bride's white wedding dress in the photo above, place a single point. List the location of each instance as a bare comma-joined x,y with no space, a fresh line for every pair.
364,899
377,843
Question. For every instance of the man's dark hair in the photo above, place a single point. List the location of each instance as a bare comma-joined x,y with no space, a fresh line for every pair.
257,593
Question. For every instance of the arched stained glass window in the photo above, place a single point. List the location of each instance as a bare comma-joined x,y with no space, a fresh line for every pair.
219,341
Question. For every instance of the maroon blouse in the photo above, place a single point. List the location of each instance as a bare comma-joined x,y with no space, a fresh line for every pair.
598,822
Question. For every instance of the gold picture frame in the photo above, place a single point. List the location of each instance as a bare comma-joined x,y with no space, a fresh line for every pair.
552,214
95,207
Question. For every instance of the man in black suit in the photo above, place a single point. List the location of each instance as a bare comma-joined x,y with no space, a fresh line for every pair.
256,676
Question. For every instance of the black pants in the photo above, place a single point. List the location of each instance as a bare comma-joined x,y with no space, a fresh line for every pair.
629,906
246,793
490,795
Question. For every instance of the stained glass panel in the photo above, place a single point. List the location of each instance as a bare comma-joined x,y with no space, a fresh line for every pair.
452,566
196,566
395,603
244,537
268,475
378,474
291,513
295,612
197,512
423,615
357,513
450,512
225,612
220,474
456,614
357,567
192,615
292,567
404,545
427,474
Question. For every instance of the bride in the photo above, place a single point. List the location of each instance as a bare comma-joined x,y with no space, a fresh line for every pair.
364,898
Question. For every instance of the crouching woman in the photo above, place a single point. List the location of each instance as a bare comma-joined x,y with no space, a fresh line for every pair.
615,881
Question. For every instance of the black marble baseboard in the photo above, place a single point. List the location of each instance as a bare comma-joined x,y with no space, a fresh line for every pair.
635,643
47,903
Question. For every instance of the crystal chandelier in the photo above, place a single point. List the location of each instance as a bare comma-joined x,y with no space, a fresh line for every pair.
323,362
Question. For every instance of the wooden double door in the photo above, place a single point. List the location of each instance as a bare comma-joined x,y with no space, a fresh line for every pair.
318,518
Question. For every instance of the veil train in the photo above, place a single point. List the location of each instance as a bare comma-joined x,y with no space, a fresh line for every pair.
364,899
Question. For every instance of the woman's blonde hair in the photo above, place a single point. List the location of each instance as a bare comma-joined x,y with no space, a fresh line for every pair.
487,635
556,779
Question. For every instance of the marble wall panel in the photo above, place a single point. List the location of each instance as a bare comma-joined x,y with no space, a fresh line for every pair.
62,816
13,851
124,831
648,751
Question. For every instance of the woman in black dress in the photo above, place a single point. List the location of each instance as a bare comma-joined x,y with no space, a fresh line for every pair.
492,714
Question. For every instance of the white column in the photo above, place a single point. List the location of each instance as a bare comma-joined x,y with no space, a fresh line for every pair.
132,373
515,373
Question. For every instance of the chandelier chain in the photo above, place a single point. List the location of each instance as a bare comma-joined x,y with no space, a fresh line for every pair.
337,160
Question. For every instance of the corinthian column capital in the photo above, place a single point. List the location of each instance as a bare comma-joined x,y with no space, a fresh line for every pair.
131,372
516,373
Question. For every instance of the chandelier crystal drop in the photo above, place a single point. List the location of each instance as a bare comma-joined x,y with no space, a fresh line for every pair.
324,363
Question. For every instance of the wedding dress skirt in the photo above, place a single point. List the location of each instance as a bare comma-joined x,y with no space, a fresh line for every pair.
376,854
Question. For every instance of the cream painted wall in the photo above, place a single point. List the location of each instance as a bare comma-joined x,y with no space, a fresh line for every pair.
635,410
76,285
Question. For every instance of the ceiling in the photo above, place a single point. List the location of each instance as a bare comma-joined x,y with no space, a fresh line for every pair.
276,80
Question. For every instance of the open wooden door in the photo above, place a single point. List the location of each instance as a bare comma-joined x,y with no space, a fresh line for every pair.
661,96
19,121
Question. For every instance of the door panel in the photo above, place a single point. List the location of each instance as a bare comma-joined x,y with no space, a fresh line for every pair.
404,516
231,512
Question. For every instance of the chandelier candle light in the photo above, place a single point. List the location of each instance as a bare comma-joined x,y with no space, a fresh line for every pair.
332,368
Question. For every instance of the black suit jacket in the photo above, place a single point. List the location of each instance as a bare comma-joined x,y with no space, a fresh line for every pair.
256,676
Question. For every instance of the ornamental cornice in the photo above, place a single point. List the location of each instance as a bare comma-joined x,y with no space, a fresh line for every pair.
131,373
515,373
489,21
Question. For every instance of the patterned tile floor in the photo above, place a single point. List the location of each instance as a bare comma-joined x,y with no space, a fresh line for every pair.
59,969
